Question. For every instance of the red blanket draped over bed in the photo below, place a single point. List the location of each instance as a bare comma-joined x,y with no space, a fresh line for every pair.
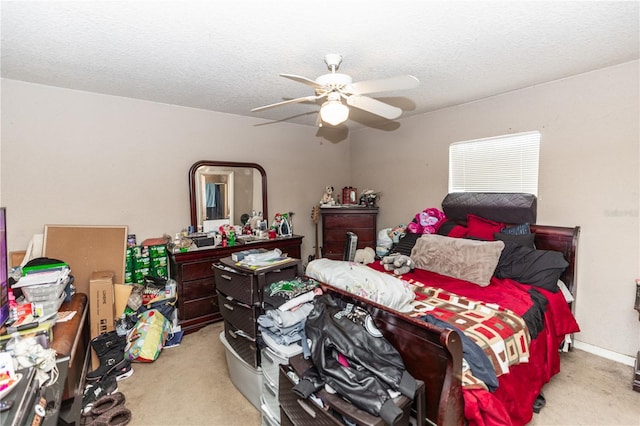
512,402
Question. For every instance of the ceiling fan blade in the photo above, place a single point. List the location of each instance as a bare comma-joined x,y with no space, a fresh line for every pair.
374,106
289,101
303,80
401,82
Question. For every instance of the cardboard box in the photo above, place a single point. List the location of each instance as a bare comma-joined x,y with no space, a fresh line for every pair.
122,293
101,306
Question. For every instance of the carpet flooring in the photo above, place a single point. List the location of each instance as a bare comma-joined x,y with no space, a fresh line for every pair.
189,385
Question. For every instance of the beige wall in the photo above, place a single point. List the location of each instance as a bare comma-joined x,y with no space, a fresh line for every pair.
71,157
588,177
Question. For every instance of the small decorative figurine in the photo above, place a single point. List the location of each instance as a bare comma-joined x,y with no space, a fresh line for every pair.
327,197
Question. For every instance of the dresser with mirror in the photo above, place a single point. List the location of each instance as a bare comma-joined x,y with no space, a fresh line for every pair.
219,192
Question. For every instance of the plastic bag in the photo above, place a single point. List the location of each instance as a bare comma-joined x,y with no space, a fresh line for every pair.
146,339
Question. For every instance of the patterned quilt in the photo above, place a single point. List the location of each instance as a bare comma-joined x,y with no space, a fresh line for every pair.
502,335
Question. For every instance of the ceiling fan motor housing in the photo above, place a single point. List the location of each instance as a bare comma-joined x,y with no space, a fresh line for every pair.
334,79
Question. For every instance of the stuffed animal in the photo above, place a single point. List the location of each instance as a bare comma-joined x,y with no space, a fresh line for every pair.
365,256
398,263
397,232
427,221
327,197
255,219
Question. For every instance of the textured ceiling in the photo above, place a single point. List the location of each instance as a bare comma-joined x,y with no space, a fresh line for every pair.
226,56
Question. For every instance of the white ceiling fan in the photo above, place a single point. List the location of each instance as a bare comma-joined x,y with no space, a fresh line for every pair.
336,86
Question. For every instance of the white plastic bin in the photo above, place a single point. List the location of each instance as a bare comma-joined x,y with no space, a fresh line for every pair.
247,379
275,354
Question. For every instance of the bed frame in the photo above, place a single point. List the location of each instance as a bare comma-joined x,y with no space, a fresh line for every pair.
433,354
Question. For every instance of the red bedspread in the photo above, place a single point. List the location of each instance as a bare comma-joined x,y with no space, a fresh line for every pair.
512,402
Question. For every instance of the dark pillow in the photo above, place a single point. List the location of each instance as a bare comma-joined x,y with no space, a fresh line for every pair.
541,268
522,229
482,228
406,243
523,240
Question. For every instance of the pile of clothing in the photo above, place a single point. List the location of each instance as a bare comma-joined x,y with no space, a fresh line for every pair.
352,358
287,304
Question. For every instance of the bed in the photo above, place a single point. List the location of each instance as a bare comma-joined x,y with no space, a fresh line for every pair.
434,353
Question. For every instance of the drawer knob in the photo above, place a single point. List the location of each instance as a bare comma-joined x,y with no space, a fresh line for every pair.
226,277
306,408
229,307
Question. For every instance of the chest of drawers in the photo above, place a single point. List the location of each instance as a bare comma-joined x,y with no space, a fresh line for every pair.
296,411
240,295
194,272
337,221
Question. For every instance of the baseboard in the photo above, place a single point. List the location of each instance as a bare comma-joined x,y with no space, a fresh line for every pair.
604,353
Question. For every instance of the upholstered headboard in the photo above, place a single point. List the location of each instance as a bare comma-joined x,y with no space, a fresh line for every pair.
497,206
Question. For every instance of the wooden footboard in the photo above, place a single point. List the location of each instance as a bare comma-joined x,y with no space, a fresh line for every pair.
430,353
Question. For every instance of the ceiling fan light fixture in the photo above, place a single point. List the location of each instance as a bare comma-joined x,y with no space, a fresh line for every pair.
334,112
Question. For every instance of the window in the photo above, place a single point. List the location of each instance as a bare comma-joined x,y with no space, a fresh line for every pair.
500,164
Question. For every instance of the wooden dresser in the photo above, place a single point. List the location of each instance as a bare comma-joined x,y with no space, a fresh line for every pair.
337,221
194,272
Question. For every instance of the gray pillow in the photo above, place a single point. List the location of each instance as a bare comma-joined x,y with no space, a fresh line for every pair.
470,260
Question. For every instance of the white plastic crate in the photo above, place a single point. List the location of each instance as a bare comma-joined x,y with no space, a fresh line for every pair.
49,307
267,418
273,355
246,379
269,399
43,292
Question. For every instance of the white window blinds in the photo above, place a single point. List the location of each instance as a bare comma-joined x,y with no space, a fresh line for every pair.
499,164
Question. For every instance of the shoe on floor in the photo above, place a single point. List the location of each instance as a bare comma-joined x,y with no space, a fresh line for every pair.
117,416
539,403
104,404
113,362
97,389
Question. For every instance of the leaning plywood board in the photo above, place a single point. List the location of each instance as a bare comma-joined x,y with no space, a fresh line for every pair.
87,249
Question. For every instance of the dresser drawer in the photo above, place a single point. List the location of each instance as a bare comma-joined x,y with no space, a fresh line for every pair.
299,411
241,316
246,288
197,270
197,289
195,308
350,221
241,287
244,345
270,400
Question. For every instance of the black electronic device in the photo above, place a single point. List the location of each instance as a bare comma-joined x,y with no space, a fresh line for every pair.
350,247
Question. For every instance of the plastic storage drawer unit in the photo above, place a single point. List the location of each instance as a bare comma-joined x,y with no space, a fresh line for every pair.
246,379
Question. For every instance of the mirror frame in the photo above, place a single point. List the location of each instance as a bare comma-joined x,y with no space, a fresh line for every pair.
192,185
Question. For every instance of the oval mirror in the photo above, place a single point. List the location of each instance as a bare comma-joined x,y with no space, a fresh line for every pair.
226,192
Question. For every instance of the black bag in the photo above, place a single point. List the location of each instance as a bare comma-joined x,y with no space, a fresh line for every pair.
165,306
